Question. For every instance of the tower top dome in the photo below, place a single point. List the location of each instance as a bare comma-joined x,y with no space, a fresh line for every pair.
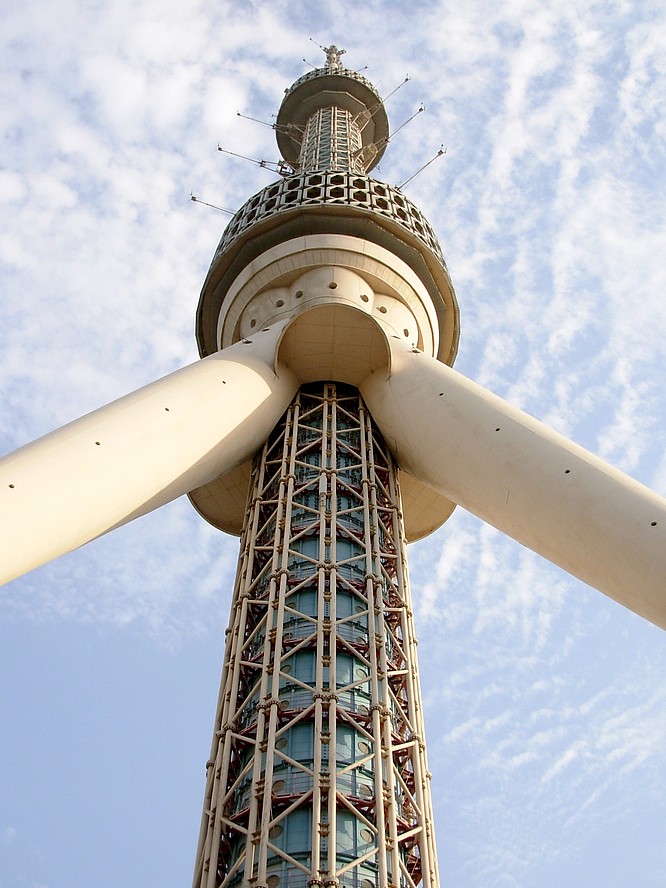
332,118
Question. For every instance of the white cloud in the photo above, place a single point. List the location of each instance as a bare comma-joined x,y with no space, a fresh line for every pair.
8,835
545,719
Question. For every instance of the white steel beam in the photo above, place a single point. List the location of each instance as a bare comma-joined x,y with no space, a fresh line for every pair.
139,452
530,482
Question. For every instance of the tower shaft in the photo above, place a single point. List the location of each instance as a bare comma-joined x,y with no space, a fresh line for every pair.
332,141
317,774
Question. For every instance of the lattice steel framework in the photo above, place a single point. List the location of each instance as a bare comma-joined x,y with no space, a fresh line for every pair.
332,141
318,775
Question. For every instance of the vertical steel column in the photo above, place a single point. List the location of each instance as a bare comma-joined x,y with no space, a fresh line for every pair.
318,775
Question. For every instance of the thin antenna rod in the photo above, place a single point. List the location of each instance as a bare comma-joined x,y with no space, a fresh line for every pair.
381,102
399,86
273,126
319,46
441,151
206,204
242,156
272,165
403,125
255,120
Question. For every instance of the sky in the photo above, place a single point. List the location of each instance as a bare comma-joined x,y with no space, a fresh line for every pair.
545,701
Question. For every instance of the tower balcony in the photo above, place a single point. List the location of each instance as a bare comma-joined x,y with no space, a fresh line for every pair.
333,204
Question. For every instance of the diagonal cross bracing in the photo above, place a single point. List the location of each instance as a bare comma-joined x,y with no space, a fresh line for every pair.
318,775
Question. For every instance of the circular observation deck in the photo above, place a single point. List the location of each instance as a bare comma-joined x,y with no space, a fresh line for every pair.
331,87
335,203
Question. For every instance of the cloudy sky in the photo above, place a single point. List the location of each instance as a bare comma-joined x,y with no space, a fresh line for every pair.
546,702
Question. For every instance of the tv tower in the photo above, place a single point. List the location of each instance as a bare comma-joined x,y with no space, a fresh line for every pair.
317,774
325,426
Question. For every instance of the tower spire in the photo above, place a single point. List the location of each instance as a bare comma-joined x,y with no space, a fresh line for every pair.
333,57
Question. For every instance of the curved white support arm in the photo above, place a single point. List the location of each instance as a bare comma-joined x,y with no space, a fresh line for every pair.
523,478
139,452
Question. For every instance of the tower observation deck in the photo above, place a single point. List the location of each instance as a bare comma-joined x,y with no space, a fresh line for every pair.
317,774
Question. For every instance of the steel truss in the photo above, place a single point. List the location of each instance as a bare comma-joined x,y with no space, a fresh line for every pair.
318,774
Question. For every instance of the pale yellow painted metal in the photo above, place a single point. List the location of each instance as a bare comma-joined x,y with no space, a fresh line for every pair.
530,482
139,452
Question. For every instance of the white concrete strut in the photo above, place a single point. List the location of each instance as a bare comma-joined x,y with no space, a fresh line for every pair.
530,482
139,452
469,445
